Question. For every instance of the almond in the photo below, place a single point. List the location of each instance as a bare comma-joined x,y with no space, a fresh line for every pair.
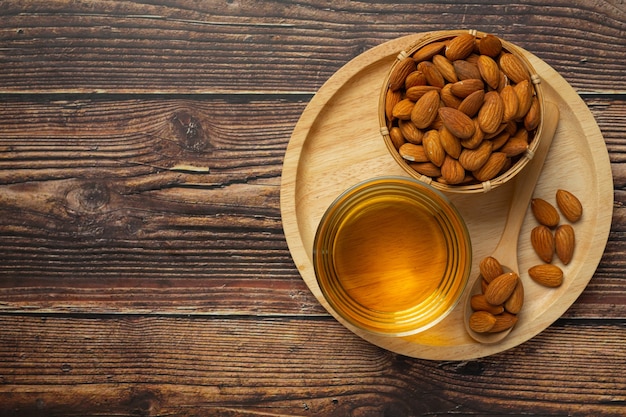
466,70
542,241
432,74
503,322
569,205
474,159
521,133
413,79
496,162
428,51
482,321
513,67
490,45
425,109
472,103
402,110
426,168
479,303
413,153
464,88
501,288
476,139
451,171
544,212
515,302
510,103
524,93
399,73
432,147
458,123
490,268
491,113
514,146
450,143
564,242
460,47
548,275
489,71
396,137
533,116
417,91
445,67
500,140
391,99
448,98
410,132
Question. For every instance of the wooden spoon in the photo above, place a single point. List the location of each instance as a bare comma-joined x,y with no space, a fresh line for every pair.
506,250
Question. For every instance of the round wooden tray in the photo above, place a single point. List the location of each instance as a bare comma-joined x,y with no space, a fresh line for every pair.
337,143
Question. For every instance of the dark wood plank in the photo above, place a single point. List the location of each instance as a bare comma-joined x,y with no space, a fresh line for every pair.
178,366
224,46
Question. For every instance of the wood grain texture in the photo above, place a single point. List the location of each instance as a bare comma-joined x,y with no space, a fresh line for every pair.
135,283
291,367
186,46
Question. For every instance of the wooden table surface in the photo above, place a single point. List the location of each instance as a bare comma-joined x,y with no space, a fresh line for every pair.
143,264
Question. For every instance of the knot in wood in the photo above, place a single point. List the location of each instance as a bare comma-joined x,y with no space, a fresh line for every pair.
93,196
189,132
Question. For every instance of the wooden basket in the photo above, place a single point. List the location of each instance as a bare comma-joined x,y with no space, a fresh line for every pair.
474,187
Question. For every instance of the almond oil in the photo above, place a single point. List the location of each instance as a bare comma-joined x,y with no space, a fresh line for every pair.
392,256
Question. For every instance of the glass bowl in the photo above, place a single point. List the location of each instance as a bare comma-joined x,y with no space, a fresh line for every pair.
392,256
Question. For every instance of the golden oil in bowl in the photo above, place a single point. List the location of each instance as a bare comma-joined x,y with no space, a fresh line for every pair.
392,256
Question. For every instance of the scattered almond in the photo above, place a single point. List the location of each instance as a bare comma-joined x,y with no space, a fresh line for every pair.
569,205
548,275
564,242
544,212
542,241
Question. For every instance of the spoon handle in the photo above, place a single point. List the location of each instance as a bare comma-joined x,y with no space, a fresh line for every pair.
506,250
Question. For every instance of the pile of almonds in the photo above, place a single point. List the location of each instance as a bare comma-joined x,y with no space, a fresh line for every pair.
547,243
461,110
495,309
